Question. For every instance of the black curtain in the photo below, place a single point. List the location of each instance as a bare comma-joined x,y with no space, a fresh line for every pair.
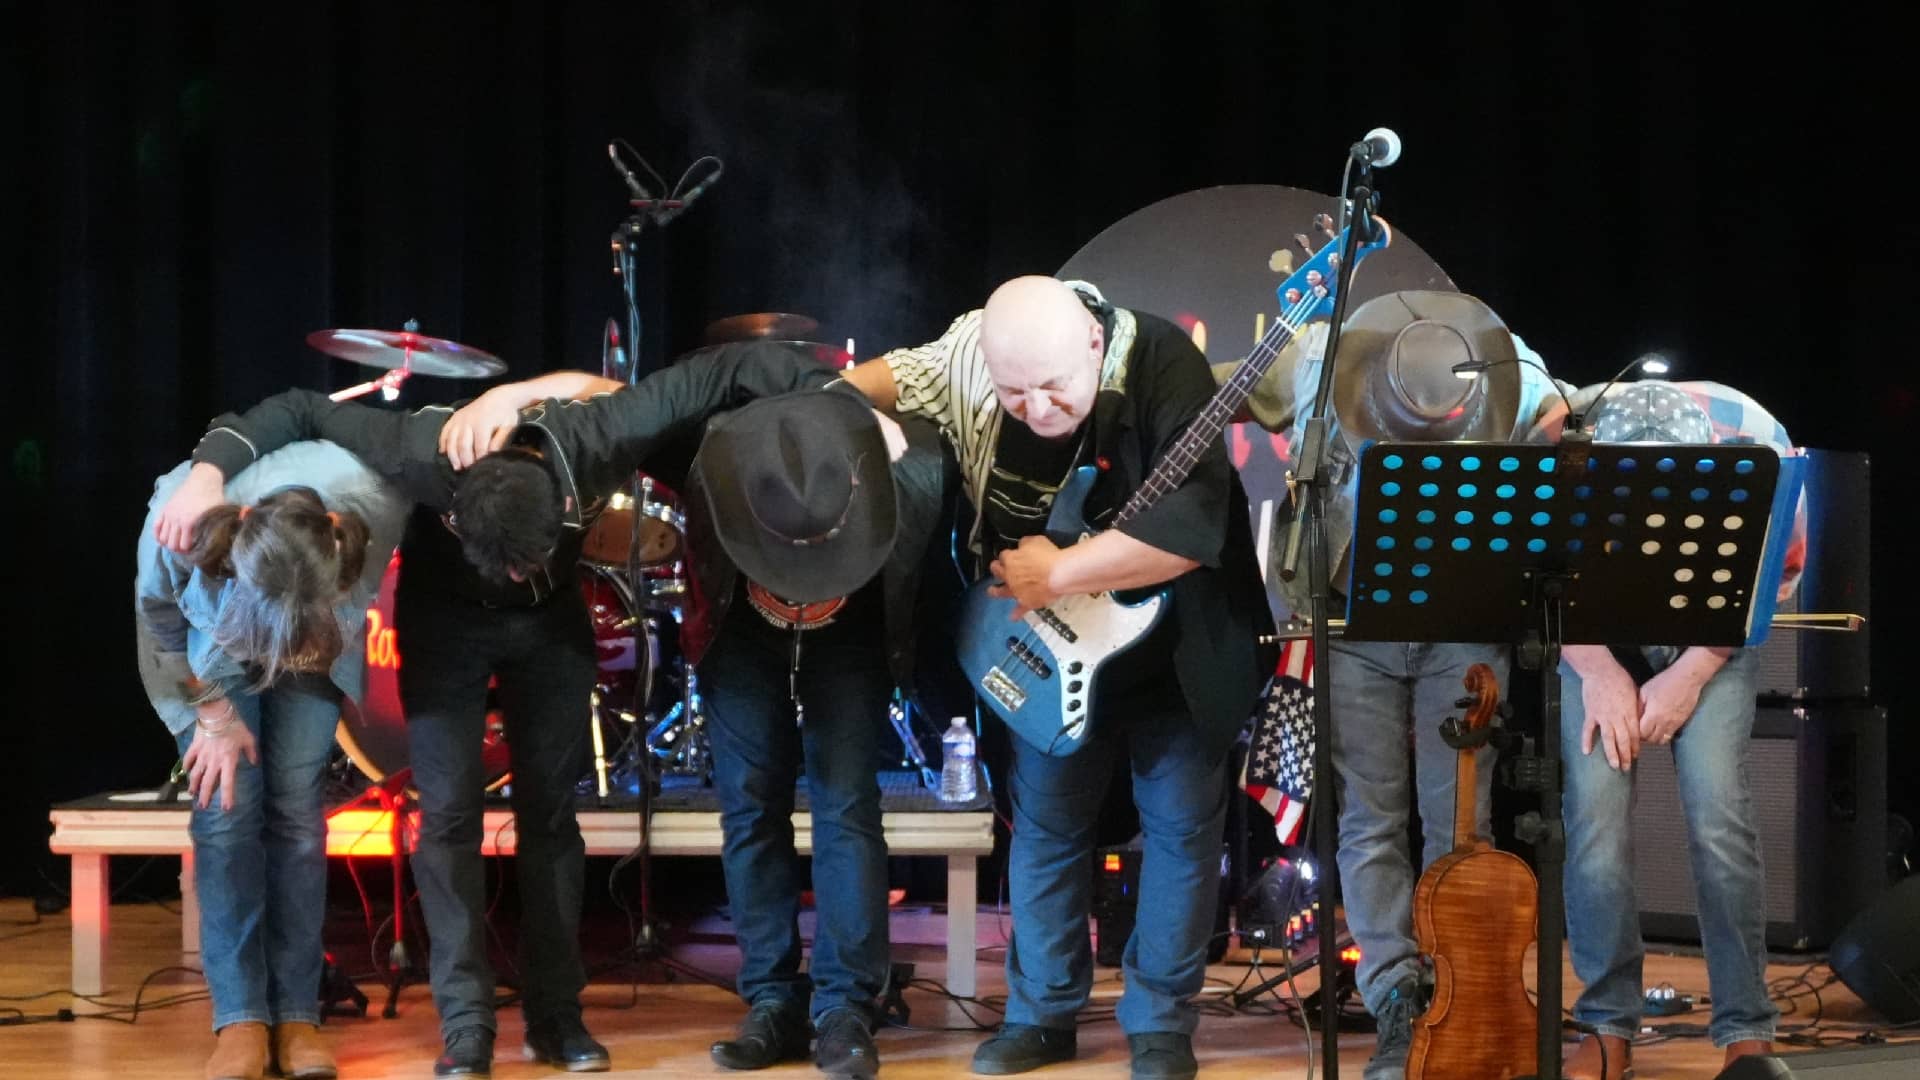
190,188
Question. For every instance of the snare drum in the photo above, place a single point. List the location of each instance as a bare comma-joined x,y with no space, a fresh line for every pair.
642,515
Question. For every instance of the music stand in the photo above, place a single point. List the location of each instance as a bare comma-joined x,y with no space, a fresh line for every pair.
1542,546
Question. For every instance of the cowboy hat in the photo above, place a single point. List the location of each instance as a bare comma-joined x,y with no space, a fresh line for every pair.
799,493
1394,378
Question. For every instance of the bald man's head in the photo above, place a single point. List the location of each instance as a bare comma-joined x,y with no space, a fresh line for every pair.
1043,350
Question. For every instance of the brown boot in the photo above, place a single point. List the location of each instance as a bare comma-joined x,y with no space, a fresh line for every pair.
1746,1048
240,1053
1586,1062
300,1055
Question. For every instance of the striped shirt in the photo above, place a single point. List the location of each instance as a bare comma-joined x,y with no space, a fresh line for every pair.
946,381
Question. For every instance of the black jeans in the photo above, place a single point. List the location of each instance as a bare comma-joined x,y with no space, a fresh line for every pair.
544,657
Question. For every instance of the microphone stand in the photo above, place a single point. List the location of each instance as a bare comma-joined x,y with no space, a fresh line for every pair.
1311,483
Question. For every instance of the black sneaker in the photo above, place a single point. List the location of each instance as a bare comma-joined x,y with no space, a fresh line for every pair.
1162,1055
565,1044
1020,1048
469,1052
1394,1024
771,1033
845,1046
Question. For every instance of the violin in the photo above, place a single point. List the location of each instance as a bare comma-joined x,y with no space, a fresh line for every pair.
1475,911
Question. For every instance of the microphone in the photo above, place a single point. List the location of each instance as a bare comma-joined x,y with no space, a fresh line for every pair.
696,191
1379,149
633,184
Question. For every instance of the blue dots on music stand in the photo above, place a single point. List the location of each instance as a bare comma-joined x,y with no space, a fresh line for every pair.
1661,493
1417,596
1665,464
1421,569
1536,545
1544,491
1469,464
1509,464
1383,569
1463,517
1738,495
1626,464
1423,543
1389,489
1743,466
1426,517
1582,492
1704,465
1578,518
1574,544
1700,494
1389,516
1429,490
1467,491
1505,491
1546,464
1498,543
1431,463
1541,517
1384,543
1502,517
1381,596
1618,521
1391,461
1461,543
1622,491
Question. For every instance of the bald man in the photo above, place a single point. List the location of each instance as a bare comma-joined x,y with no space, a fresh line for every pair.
1046,377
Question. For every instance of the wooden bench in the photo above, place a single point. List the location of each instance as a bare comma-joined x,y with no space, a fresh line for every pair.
131,824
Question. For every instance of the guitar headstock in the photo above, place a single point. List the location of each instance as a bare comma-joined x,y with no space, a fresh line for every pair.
1307,294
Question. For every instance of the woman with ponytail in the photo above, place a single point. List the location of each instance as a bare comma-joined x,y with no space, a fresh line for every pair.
248,644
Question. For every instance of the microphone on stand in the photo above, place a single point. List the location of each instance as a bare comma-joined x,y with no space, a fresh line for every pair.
678,206
626,174
1379,149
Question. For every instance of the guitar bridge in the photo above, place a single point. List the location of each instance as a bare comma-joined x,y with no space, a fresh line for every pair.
1003,690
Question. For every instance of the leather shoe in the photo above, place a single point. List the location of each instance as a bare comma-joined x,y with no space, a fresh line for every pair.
469,1052
565,1044
1600,1057
845,1046
1020,1048
239,1052
771,1033
1162,1055
299,1054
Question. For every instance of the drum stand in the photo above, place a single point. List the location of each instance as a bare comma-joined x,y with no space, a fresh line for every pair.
400,968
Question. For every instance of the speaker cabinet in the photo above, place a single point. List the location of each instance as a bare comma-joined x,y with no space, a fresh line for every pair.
1847,1063
1878,955
1817,775
1814,665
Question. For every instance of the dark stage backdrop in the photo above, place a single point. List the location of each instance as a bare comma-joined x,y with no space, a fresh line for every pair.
187,189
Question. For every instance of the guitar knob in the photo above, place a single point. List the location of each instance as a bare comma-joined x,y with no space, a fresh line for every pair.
1073,667
1074,705
1074,687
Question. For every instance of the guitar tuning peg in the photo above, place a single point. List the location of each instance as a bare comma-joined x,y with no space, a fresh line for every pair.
1324,222
1305,245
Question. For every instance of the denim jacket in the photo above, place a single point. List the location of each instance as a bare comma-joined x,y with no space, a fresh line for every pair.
176,606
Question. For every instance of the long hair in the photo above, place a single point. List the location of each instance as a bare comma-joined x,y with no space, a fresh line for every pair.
290,561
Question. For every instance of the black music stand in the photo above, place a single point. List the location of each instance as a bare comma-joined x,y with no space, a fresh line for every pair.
1543,546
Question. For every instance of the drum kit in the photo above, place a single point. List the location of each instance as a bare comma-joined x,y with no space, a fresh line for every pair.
632,576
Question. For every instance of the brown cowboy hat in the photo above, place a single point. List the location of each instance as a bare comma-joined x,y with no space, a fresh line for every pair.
1394,379
799,492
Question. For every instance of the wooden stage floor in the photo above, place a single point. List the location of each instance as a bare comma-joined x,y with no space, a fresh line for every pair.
663,1029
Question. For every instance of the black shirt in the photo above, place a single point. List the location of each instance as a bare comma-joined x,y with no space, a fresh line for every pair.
1028,471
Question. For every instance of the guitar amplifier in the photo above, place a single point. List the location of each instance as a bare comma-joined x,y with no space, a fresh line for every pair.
1814,665
1818,781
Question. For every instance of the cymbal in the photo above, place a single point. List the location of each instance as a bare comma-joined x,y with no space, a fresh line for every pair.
418,353
778,325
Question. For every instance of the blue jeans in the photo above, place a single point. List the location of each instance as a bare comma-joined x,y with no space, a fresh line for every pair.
260,869
758,754
1603,926
1179,788
1385,695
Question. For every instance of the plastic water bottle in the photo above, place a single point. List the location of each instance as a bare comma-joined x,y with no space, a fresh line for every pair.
958,783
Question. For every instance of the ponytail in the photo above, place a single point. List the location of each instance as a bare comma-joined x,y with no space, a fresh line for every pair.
211,548
352,533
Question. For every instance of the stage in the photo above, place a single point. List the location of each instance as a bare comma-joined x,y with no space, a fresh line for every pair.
663,1030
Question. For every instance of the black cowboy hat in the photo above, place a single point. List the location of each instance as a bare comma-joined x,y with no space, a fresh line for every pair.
799,492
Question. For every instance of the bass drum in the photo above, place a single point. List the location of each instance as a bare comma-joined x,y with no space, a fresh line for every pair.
374,735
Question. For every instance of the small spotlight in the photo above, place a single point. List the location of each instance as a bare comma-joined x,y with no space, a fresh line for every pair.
1654,363
390,393
1306,870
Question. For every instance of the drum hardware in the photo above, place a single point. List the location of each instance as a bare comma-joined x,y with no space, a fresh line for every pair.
403,353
